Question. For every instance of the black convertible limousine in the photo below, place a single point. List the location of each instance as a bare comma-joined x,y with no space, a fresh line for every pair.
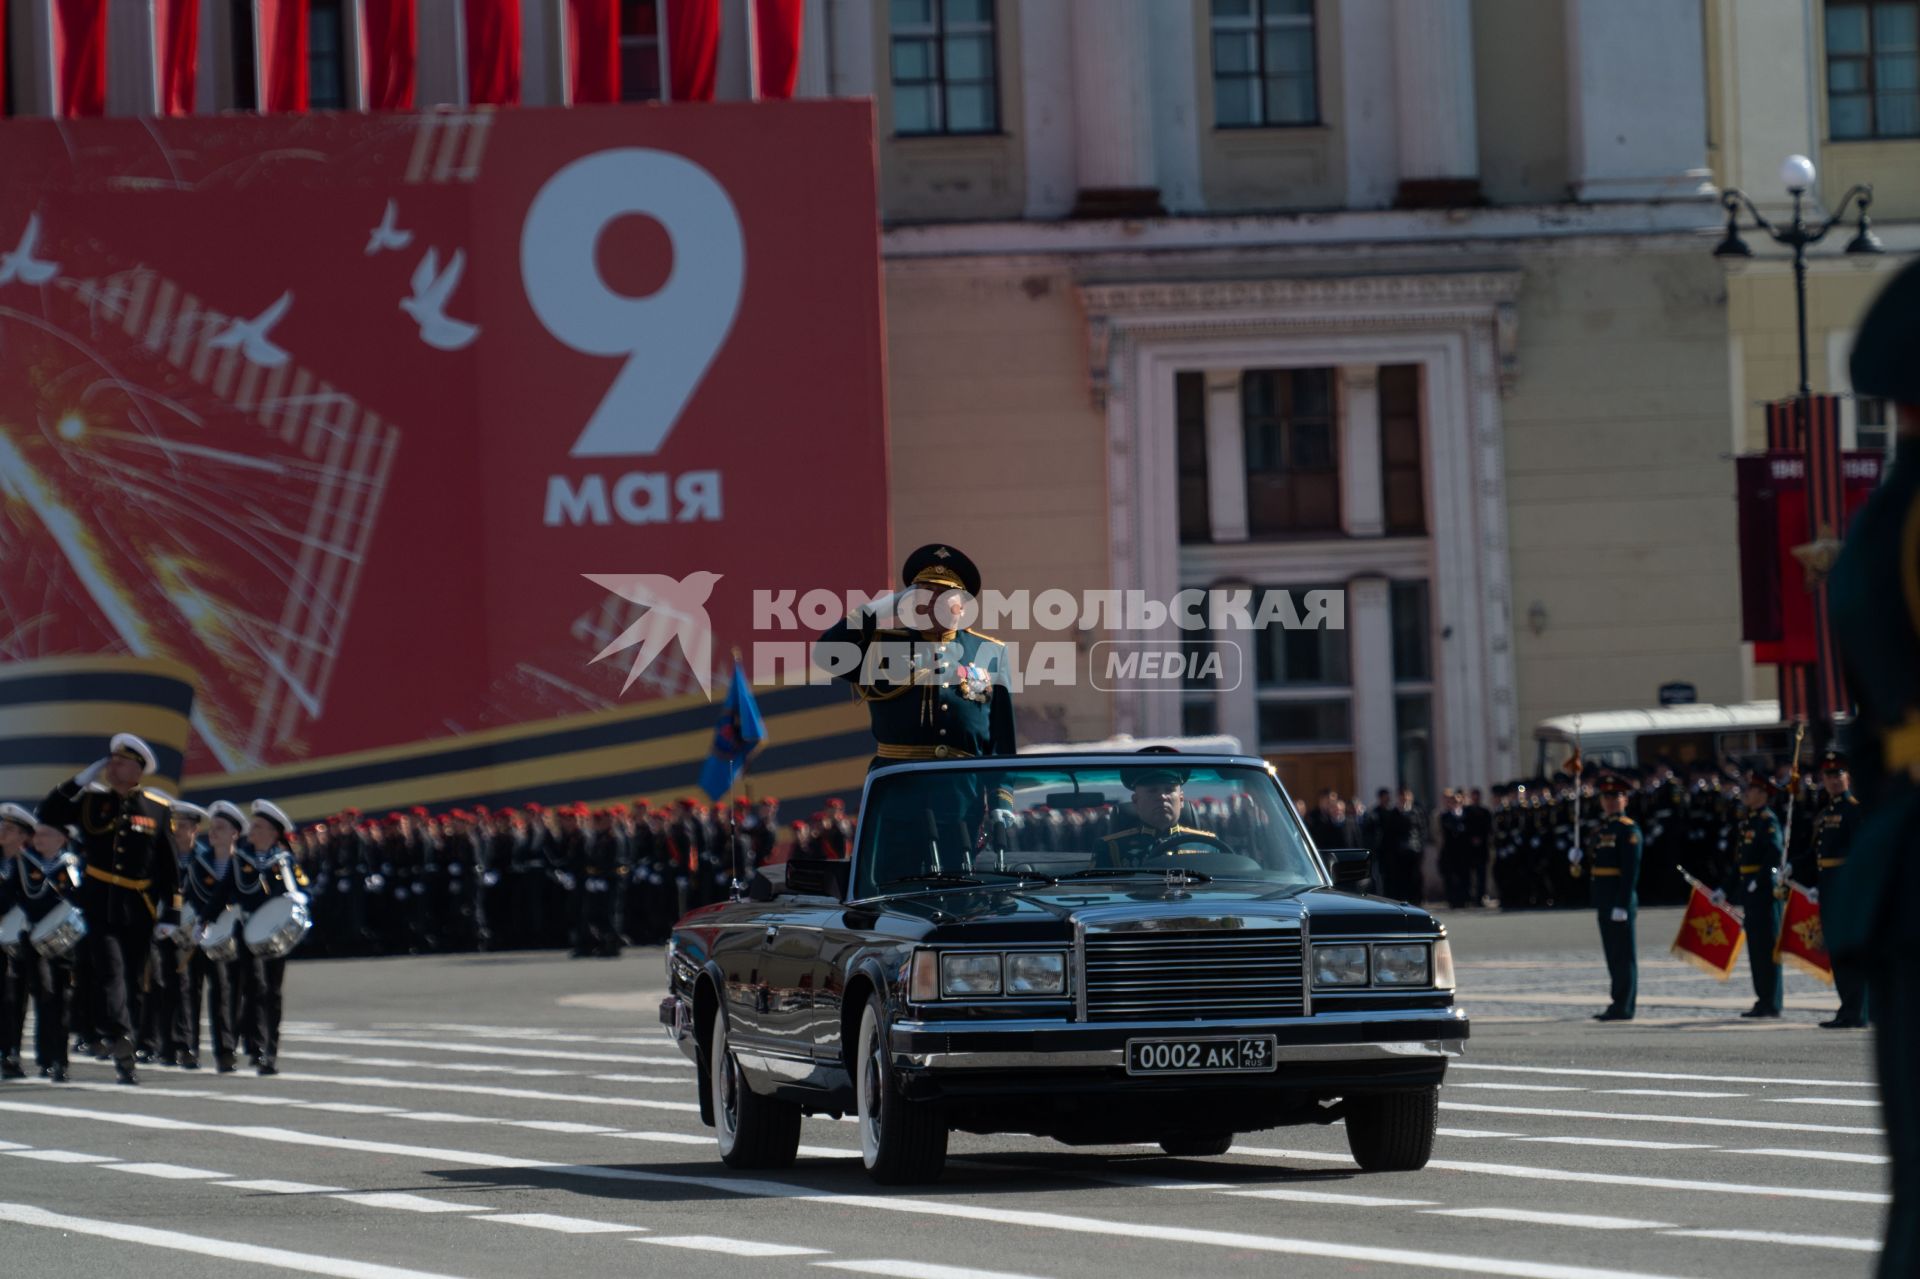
1097,948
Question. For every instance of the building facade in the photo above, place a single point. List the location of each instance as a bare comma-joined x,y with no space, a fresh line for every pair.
1411,299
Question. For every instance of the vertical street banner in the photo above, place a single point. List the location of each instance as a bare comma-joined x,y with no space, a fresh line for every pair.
345,422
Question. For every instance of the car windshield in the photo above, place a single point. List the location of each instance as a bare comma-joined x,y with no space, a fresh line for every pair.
921,829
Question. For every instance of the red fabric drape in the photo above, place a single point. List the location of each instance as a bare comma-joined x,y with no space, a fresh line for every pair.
80,57
283,54
693,48
776,25
176,34
493,52
393,49
593,31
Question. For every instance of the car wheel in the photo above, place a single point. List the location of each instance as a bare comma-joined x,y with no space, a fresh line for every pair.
902,1142
1393,1132
755,1131
1197,1147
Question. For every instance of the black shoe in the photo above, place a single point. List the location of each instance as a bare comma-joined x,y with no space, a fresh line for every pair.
145,1057
1844,1023
126,1072
225,1063
45,1071
57,1074
1758,1012
188,1061
268,1068
169,1058
1613,1014
10,1068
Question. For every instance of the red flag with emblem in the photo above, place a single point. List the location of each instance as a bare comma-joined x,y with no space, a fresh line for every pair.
1711,937
1801,941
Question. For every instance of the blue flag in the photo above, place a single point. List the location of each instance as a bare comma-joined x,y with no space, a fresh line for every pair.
740,730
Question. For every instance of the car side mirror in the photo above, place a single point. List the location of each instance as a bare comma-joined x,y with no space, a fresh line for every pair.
1350,865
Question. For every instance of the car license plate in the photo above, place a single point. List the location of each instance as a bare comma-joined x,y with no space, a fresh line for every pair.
1221,1055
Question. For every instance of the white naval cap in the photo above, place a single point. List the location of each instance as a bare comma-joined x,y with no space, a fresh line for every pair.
226,808
131,747
18,815
192,812
271,811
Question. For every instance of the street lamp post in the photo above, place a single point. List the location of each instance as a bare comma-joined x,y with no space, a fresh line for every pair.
1797,175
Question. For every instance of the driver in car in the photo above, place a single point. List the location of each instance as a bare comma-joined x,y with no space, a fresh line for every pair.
1159,798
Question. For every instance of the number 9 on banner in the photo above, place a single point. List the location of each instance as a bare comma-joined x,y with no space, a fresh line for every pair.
667,339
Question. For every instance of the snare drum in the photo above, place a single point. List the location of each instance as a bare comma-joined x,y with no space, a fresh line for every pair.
221,941
13,931
59,931
277,927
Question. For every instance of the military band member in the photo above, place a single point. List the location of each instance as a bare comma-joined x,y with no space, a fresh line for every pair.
160,1003
1833,836
206,886
1613,855
16,972
1154,834
1756,875
263,870
47,873
130,881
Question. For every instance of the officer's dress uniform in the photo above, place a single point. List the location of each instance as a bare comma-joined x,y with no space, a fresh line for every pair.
16,978
1134,843
1755,876
206,886
130,886
257,878
36,885
1832,838
1614,853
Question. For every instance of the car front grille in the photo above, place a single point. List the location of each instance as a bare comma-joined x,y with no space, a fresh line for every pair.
1194,976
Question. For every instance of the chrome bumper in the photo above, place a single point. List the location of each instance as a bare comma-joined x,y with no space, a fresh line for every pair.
1101,1058
676,1014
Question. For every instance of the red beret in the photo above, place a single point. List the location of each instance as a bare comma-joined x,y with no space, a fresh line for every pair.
799,825
836,803
534,808
643,803
419,810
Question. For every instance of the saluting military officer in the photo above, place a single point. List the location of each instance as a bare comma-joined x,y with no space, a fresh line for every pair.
1755,875
1874,593
1159,803
131,880
1615,850
1833,834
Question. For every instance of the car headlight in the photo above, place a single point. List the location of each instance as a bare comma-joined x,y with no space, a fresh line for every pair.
970,974
1044,973
1401,965
1339,965
1443,964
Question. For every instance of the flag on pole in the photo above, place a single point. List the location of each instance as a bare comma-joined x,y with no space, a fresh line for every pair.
1711,936
740,730
1802,941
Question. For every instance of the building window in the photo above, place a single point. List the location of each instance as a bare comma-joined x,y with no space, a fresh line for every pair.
1190,414
639,51
1412,633
1293,468
1263,64
1873,69
945,70
1410,610
1403,482
246,76
327,56
1305,685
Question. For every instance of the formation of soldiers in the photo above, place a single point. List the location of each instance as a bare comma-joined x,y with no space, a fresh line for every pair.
591,879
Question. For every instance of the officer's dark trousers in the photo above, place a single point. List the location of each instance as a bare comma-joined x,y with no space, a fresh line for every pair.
263,996
117,957
1623,970
1763,926
51,980
212,980
16,986
1894,991
1851,982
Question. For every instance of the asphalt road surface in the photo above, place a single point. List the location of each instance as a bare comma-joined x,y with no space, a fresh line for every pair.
522,1115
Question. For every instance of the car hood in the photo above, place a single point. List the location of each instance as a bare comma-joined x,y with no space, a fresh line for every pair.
1044,912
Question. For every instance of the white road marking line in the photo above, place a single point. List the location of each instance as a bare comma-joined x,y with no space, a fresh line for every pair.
1619,1143
487,1090
404,1202
403,1063
559,1125
13,1145
667,1138
1525,1216
517,1033
488,1050
648,1079
917,1270
170,1172
1824,1101
1527,1172
255,1254
266,1185
732,1247
1472,1132
1520,1087
349,1108
1830,1156
1773,1236
1618,1117
1582,1072
1423,1260
1290,1195
62,1157
1662,1092
447,1117
563,1225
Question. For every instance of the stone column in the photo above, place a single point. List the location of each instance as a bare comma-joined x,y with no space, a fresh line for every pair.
1226,456
1362,502
1370,636
1636,112
131,58
1112,110
1438,130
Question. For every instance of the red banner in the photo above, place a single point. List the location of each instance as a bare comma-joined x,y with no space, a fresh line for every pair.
339,413
1710,937
80,57
593,37
776,32
392,54
493,52
1801,940
284,72
176,32
693,48
1777,608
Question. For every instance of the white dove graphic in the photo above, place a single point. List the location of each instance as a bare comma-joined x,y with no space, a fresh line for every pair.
428,305
21,265
250,336
676,609
388,235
